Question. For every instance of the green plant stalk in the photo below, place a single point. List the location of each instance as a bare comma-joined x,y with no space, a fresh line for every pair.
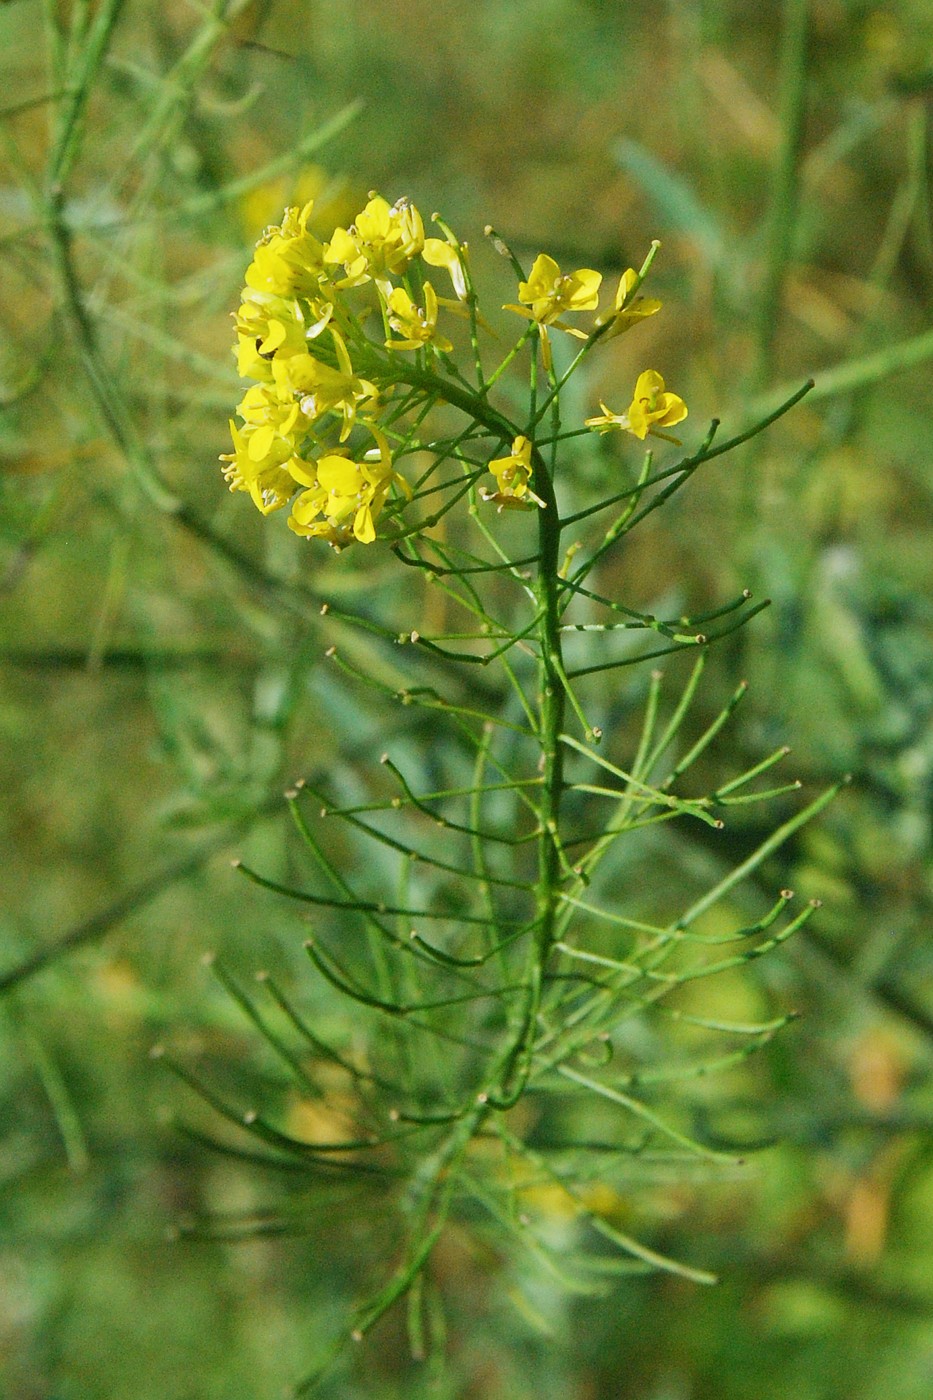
551,708
551,702
781,222
782,214
76,59
590,1004
110,403
551,712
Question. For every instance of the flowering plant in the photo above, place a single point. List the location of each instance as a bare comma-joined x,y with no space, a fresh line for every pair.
485,913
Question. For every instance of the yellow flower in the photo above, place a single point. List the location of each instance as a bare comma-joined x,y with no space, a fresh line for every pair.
278,326
251,363
513,473
652,408
259,468
548,293
416,326
263,325
343,498
269,416
380,244
323,388
288,260
628,309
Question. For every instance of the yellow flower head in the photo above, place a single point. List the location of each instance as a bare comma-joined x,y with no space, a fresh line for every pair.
304,377
513,474
258,467
323,388
651,410
343,498
267,326
628,308
262,406
417,327
288,260
548,293
380,244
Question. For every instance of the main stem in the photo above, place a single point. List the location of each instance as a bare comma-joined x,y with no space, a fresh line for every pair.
551,700
551,703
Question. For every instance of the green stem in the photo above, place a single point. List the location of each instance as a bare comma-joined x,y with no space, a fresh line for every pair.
110,404
474,405
551,702
785,188
551,707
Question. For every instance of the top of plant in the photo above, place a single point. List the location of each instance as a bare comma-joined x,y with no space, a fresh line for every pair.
343,338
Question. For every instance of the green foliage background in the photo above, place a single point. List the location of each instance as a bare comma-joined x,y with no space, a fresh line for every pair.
163,675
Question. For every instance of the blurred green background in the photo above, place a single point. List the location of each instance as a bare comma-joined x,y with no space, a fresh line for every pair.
162,678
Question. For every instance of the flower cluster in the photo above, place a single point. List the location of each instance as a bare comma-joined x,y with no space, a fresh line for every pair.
545,298
315,424
298,335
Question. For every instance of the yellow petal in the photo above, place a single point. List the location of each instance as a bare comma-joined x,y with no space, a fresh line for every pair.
374,223
382,442
675,411
627,284
648,384
275,336
363,526
303,472
341,248
584,293
438,253
259,444
544,275
400,302
307,507
343,354
339,475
